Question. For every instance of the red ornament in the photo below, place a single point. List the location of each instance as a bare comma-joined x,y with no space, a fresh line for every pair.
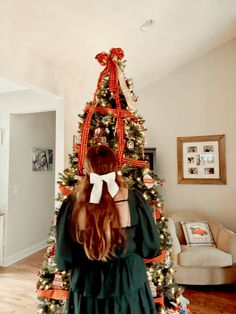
64,190
157,213
52,251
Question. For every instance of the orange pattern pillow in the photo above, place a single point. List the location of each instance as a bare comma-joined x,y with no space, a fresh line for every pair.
197,233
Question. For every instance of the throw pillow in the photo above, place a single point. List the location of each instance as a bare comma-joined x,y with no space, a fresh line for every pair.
197,233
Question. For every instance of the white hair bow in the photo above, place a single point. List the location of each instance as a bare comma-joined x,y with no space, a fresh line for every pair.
97,181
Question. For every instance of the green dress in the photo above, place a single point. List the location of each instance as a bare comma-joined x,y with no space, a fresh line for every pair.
117,286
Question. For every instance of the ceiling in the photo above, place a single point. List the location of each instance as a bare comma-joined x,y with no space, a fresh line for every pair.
69,33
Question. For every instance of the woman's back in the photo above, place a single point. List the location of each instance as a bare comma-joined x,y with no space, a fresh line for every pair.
116,282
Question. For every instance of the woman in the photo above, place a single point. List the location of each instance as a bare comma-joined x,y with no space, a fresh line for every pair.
103,234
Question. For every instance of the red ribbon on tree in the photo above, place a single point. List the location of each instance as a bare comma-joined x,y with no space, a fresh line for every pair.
124,113
109,61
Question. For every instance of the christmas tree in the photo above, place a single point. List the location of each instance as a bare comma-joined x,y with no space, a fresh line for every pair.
112,119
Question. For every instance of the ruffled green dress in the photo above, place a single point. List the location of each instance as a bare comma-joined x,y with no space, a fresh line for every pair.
118,286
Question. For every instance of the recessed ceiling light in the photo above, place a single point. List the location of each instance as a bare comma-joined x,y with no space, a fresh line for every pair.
147,25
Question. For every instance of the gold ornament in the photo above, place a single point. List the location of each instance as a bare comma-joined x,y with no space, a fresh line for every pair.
53,308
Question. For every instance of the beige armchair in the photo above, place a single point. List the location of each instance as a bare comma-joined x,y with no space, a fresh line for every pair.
203,265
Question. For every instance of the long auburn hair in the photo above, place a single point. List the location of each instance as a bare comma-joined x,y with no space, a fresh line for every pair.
102,234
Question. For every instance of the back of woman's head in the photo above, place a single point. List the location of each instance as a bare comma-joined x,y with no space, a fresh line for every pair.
101,232
101,160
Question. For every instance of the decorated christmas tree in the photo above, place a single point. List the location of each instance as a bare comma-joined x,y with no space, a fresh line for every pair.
112,119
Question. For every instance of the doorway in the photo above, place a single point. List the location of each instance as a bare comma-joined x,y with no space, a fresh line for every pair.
29,118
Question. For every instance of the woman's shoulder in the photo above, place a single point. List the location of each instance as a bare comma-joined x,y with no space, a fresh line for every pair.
126,192
122,194
67,206
70,200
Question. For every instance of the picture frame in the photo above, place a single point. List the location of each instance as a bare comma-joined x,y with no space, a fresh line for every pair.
42,159
150,156
201,159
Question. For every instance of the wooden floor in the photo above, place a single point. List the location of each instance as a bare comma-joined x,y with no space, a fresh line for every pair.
18,285
17,291
212,299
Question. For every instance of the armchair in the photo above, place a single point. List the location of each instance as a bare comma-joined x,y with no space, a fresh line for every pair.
203,265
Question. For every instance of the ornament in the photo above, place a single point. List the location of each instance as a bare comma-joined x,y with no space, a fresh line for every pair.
153,289
52,250
149,276
104,140
97,131
100,140
57,282
183,303
129,82
76,140
119,172
157,213
148,181
53,308
167,260
130,145
64,190
146,197
135,98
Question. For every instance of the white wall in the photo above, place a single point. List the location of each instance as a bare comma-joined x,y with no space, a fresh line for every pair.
197,99
22,102
31,193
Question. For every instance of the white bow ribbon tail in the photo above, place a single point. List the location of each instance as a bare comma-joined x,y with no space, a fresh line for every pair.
97,181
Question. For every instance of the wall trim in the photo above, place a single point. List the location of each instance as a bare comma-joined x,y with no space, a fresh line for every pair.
9,260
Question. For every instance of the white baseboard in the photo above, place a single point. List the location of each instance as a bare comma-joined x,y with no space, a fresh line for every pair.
9,260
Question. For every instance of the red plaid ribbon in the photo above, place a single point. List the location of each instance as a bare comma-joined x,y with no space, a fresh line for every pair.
107,60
